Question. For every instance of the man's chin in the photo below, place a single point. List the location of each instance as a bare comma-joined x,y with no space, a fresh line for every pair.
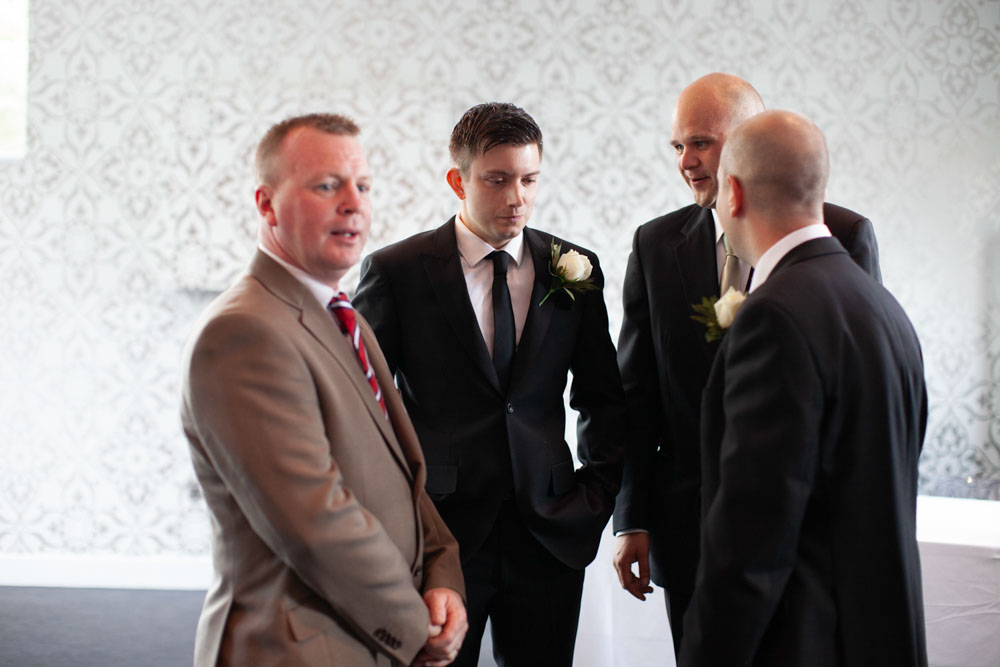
705,201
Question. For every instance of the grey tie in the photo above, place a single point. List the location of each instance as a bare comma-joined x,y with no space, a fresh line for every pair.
503,318
730,271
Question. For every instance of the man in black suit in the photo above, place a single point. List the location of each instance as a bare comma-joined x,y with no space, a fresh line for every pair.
482,364
676,261
812,423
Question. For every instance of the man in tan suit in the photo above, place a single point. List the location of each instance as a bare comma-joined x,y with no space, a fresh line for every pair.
326,549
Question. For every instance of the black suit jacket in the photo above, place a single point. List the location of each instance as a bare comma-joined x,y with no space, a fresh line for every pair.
664,363
812,423
482,444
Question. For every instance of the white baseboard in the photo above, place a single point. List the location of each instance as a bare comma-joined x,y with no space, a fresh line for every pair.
86,571
946,520
958,521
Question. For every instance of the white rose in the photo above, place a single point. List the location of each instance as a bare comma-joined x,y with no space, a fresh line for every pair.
574,266
727,306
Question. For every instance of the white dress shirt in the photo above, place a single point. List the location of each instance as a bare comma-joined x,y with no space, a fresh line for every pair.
478,271
773,255
320,290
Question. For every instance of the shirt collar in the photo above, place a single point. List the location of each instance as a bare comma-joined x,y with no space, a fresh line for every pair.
774,254
323,292
473,249
718,226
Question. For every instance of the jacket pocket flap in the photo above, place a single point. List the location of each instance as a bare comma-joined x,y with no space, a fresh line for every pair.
441,479
306,622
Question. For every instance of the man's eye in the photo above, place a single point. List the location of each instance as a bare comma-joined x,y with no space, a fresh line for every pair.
529,181
363,187
701,145
495,181
325,187
678,149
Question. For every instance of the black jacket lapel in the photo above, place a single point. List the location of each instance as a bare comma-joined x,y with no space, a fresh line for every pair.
443,266
697,266
536,325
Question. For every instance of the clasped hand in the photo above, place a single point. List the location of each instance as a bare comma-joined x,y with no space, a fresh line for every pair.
448,625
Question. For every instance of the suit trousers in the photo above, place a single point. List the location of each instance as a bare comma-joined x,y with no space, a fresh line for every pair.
531,598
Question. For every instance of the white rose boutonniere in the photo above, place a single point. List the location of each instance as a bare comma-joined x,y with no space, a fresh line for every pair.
570,273
726,307
717,314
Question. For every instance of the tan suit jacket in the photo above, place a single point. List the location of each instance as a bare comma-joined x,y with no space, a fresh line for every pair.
322,535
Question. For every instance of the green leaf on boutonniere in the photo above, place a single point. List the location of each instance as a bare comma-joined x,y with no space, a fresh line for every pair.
705,314
717,314
570,273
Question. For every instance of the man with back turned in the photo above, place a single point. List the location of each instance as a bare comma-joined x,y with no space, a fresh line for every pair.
676,261
813,420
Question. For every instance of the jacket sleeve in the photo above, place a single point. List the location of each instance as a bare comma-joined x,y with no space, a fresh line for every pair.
596,393
442,567
762,414
857,234
638,364
375,301
257,416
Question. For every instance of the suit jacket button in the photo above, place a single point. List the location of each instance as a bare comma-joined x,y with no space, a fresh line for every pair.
510,409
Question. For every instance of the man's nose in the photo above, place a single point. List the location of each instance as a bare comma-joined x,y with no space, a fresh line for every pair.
351,201
517,194
687,159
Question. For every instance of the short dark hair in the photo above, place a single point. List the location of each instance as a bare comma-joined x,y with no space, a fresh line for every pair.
491,124
267,149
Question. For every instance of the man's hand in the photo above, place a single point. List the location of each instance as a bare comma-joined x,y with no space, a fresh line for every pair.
633,548
447,630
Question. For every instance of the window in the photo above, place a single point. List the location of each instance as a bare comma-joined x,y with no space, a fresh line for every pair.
13,78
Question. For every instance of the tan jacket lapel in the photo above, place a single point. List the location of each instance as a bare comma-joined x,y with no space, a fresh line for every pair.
321,325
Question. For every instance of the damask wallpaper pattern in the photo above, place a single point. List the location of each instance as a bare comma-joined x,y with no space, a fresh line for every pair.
134,202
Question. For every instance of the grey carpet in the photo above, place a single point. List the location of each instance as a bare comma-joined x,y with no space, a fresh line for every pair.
82,627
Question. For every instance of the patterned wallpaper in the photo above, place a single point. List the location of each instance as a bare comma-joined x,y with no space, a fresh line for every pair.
135,200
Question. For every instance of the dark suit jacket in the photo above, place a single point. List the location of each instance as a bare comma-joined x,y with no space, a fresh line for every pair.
664,362
481,443
812,423
322,535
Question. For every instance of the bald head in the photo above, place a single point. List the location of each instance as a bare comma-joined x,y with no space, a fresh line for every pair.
781,162
706,113
722,95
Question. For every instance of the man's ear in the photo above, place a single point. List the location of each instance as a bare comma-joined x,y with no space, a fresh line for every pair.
264,204
735,202
454,177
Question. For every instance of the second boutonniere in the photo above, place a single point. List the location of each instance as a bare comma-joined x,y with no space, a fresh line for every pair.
570,273
717,313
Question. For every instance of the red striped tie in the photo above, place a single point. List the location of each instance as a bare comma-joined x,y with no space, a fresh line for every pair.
344,311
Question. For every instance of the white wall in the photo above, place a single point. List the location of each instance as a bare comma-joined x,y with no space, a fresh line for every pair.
136,195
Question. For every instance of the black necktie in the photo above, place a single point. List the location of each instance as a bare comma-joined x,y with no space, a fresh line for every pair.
503,318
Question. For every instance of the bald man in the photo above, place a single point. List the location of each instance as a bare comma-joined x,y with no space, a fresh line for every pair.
676,261
813,420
